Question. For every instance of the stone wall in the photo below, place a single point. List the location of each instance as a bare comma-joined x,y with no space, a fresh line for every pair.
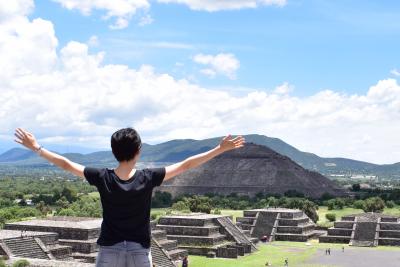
390,226
227,252
82,247
64,233
334,239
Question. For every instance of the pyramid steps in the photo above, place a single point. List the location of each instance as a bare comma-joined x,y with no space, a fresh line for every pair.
26,247
277,224
201,234
365,229
169,246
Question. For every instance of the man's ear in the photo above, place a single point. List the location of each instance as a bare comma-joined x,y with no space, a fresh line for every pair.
138,154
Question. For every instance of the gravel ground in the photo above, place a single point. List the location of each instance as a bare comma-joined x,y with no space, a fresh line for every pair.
358,257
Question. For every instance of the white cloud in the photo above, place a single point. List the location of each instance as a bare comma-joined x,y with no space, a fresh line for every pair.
284,89
93,41
145,20
225,64
16,7
213,5
74,98
395,72
121,10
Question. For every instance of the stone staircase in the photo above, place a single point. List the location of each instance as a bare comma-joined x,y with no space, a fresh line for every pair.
170,246
277,224
159,237
365,230
240,237
364,234
160,257
205,234
67,238
341,232
26,247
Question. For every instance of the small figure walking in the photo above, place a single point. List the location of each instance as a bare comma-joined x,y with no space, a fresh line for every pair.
185,262
286,262
329,251
342,248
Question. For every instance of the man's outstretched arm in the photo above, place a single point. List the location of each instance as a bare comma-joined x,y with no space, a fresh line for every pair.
28,140
226,144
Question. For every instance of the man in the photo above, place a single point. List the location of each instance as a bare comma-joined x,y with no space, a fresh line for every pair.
125,193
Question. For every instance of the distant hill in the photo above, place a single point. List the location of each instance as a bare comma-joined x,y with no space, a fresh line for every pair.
250,170
176,150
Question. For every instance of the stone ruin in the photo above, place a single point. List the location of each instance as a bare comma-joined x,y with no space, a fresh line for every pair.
206,234
365,229
277,224
69,241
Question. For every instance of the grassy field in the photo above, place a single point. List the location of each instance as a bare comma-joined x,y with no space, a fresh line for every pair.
297,253
322,211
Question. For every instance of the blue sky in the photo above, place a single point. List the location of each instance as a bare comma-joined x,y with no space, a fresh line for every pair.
320,75
345,46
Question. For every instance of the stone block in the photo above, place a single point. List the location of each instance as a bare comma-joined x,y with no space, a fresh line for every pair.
226,252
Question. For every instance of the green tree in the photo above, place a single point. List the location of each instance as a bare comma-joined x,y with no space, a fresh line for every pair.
374,204
62,203
200,204
356,187
390,204
180,205
69,193
358,204
330,217
43,208
161,200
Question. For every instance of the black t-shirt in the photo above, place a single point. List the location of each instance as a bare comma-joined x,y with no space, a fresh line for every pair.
126,204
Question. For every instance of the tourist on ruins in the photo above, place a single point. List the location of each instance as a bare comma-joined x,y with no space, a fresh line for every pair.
125,193
185,262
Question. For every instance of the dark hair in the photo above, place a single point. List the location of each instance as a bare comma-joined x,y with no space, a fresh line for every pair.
125,144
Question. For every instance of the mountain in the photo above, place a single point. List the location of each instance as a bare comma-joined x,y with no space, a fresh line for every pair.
16,154
250,170
176,150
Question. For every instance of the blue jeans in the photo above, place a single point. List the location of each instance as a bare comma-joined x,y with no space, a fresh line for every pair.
124,254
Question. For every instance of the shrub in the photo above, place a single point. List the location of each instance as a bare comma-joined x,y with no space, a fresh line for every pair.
161,200
374,204
390,204
358,204
21,263
330,204
200,204
330,217
217,211
180,205
335,204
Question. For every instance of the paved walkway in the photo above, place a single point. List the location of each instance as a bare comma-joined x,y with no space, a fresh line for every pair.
357,257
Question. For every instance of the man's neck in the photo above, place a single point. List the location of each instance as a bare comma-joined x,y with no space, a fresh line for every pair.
126,169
